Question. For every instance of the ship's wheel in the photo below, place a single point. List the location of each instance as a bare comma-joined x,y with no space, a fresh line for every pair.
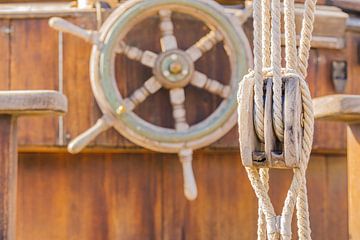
173,69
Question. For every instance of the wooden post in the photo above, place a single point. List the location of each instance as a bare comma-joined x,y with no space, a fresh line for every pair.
8,176
353,156
346,108
12,105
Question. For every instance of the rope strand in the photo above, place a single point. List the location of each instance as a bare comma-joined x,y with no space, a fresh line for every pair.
259,102
276,66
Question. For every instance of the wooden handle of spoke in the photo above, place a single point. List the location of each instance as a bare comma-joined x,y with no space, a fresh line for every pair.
81,141
190,188
66,26
244,15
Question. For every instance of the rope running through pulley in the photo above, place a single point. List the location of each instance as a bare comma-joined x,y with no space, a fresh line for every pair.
273,89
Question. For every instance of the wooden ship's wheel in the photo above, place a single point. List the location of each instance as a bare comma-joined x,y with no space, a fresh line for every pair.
172,68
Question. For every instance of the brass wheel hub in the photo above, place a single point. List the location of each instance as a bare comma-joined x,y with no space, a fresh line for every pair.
174,69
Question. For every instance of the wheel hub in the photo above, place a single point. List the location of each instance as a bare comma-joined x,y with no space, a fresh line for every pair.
174,69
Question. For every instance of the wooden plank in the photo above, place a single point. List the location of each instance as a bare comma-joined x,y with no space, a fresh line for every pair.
5,32
352,57
82,105
34,10
353,141
225,201
32,102
336,188
226,198
344,108
316,178
89,196
140,196
34,66
320,84
8,176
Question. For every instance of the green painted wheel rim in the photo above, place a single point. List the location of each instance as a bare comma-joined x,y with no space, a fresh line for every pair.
102,71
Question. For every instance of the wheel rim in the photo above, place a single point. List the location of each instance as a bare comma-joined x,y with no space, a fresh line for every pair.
132,126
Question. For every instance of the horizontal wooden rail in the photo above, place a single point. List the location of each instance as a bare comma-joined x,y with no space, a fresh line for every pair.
344,108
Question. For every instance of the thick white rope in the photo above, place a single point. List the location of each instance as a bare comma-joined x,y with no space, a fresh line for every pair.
306,35
259,102
280,226
303,221
290,35
266,30
276,67
266,61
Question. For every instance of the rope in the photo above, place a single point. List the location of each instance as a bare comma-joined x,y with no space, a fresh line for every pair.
259,101
268,64
276,66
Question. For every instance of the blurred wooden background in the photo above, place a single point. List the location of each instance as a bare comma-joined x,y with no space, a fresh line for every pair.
116,190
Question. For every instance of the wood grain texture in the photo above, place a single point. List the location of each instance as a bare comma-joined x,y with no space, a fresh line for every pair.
140,196
34,44
31,69
353,138
32,102
8,176
90,197
5,52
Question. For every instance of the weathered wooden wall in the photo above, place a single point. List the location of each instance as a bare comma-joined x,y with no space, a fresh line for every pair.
116,190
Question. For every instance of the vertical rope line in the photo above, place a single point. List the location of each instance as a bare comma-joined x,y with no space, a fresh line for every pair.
266,61
266,30
261,231
290,35
303,221
258,89
276,66
306,36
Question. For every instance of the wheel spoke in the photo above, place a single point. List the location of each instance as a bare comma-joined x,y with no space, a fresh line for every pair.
168,40
205,44
151,86
200,80
147,58
65,26
177,99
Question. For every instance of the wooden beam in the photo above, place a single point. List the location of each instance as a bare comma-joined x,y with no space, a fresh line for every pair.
353,153
344,108
8,176
32,102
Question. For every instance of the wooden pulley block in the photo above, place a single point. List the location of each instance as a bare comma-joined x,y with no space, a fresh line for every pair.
272,153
